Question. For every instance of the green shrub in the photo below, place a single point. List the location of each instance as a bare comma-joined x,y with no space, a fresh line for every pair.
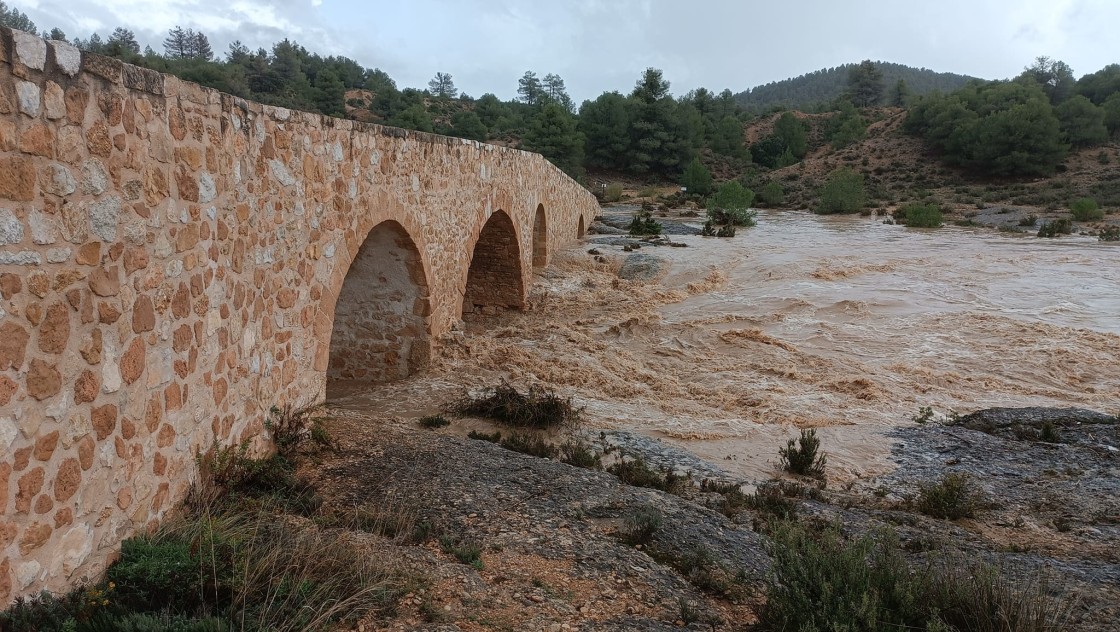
466,551
1112,233
772,194
228,475
639,526
823,582
482,436
637,472
1086,210
267,573
842,193
292,428
529,443
165,622
644,224
731,205
613,192
696,178
954,496
800,455
50,613
434,421
152,573
922,216
539,408
578,453
1029,220
700,568
1057,227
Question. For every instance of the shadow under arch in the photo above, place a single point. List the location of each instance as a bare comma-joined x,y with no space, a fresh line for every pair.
540,238
380,331
580,230
494,278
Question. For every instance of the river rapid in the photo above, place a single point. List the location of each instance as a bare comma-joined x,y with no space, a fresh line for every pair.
840,323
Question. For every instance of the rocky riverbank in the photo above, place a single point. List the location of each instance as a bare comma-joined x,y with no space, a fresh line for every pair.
552,538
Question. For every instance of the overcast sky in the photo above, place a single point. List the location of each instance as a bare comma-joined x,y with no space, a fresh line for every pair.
600,45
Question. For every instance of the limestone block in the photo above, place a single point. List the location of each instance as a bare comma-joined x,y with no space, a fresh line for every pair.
28,96
11,229
30,50
68,58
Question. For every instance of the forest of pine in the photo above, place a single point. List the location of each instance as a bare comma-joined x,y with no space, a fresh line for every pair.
819,89
1020,127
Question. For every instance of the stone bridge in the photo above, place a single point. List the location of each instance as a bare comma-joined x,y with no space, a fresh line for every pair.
175,261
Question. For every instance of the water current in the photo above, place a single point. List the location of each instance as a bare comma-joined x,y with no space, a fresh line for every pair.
840,323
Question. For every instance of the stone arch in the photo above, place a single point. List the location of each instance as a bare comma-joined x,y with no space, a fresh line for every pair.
580,230
540,238
380,330
494,278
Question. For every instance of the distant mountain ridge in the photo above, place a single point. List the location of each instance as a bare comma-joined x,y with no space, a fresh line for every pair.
826,84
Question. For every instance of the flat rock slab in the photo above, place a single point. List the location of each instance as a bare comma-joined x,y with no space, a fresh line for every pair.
642,267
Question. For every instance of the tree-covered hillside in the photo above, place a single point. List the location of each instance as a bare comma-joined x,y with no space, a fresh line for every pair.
809,91
1025,127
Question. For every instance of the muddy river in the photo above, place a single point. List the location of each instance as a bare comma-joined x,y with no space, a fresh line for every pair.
839,323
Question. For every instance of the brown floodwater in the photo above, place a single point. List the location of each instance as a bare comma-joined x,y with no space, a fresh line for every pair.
840,323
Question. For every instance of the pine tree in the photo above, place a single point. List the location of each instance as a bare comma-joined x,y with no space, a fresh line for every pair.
16,19
900,94
175,44
1082,122
442,86
554,135
865,83
553,88
1055,77
55,34
122,43
605,123
696,178
199,46
793,135
467,124
529,89
238,53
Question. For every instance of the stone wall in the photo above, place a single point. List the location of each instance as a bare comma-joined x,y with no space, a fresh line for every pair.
170,260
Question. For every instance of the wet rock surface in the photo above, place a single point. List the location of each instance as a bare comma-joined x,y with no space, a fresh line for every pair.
1046,504
642,267
617,218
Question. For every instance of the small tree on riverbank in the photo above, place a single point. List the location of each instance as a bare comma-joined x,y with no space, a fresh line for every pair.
843,193
732,205
696,178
